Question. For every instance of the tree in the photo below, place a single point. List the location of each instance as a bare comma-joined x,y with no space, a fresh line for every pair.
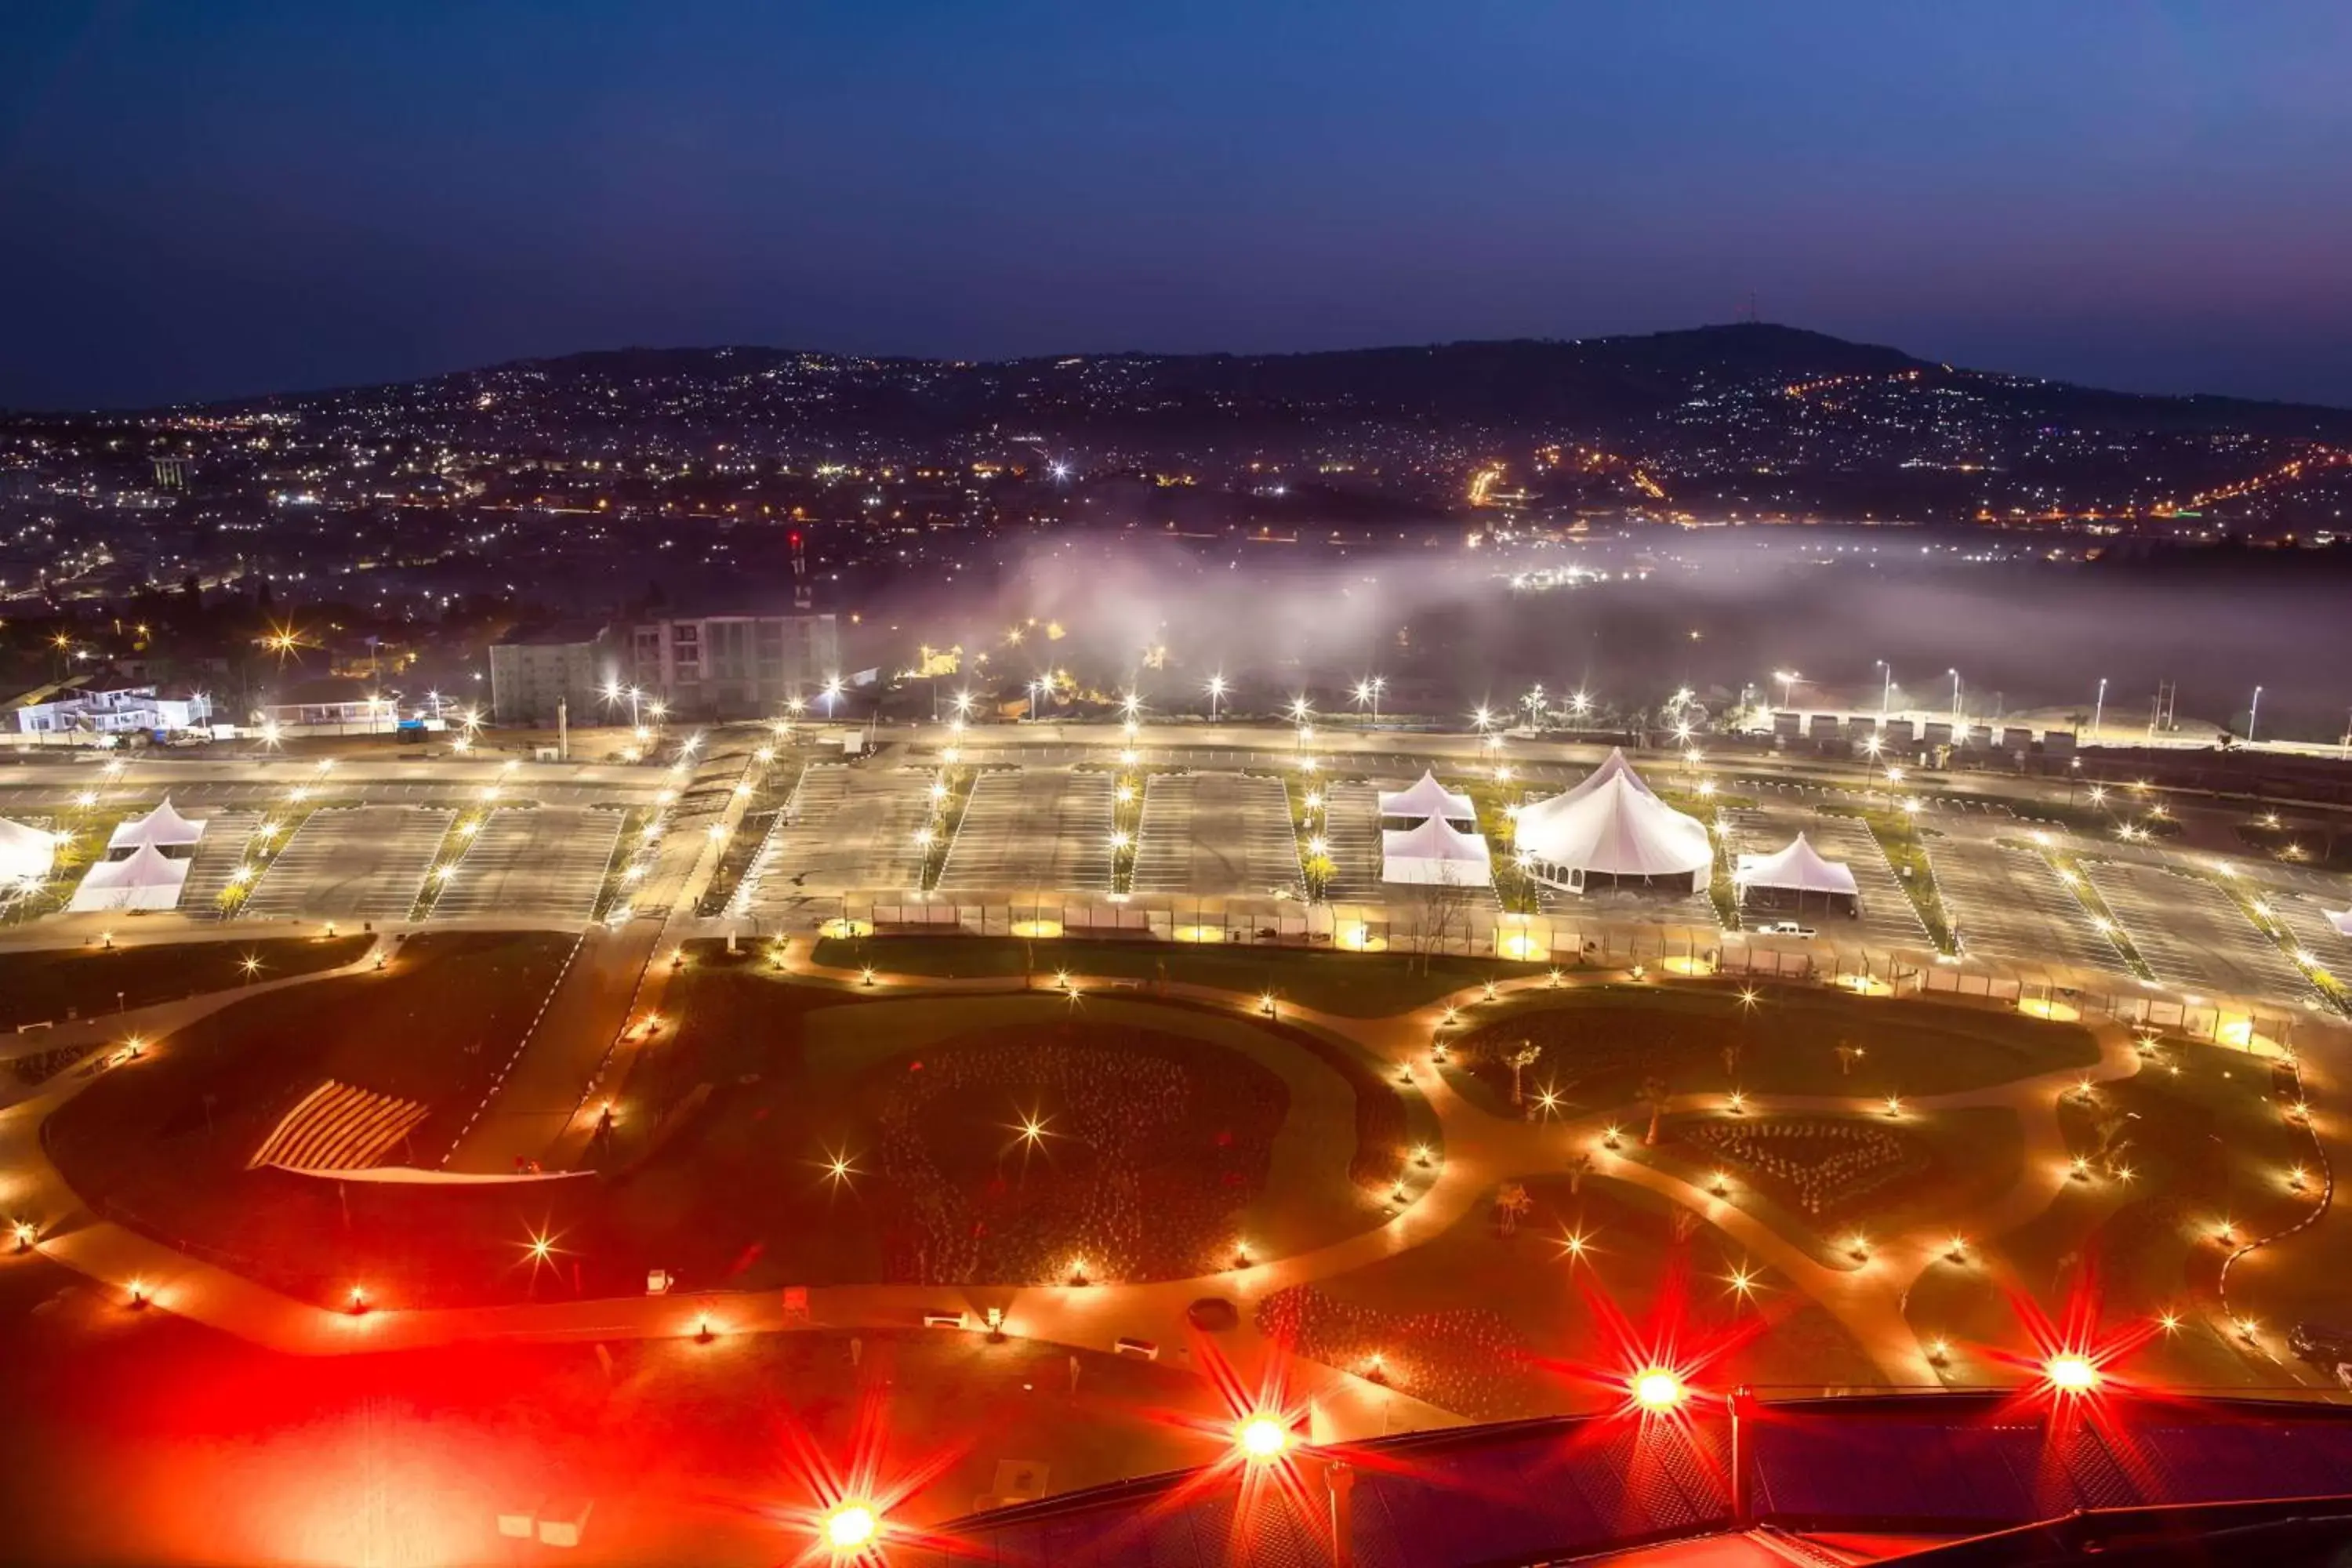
1521,1058
1318,870
1439,907
1510,1202
1657,1096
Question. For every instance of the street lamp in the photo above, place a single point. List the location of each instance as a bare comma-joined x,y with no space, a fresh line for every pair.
1217,695
831,695
1789,680
1886,691
2253,713
2098,710
1367,692
1956,699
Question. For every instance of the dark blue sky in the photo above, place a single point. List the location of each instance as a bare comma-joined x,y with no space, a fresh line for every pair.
207,197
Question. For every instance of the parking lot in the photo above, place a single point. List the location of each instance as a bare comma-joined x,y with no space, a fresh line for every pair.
1215,835
1887,917
545,861
1042,828
2011,904
2306,918
2194,935
1351,834
352,863
218,853
846,831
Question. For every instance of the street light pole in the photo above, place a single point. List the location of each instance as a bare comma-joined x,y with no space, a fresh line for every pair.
2253,713
1956,698
2098,710
1886,691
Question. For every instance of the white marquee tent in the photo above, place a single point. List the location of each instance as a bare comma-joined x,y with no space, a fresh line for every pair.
1613,766
1435,852
26,853
2341,920
1799,868
1611,825
163,828
1427,798
149,880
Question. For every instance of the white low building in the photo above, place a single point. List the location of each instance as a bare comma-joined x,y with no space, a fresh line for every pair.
115,710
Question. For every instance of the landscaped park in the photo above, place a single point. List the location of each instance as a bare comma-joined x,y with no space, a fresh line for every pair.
1461,1190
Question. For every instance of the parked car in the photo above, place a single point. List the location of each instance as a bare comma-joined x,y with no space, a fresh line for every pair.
1784,928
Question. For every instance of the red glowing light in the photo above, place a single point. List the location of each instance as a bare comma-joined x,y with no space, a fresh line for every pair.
851,1527
2071,1372
1658,1388
1262,1439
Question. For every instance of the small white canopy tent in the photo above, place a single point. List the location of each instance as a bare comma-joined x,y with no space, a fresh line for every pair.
1434,852
1613,827
26,854
2341,920
1800,869
1425,799
163,827
149,880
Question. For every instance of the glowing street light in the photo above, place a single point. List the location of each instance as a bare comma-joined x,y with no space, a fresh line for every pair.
1217,695
1368,693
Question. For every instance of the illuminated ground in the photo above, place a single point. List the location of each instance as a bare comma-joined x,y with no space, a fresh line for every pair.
924,1142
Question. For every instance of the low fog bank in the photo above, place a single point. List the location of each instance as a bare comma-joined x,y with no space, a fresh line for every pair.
1445,625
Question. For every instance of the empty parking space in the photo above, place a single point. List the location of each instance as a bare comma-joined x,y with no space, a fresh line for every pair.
1039,828
547,862
1352,837
2012,904
1215,835
218,853
357,863
845,830
2307,919
2194,935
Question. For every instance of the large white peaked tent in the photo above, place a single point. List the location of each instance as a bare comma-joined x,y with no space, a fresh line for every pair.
1613,766
163,827
1427,798
2341,920
1799,868
1611,825
26,853
1435,851
149,880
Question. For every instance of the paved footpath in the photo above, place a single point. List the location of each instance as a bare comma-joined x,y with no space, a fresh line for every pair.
1479,1152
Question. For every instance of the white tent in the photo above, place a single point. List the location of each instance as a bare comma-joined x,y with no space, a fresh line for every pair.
1613,766
1800,869
161,826
1435,851
1615,827
1427,798
26,853
149,880
2341,920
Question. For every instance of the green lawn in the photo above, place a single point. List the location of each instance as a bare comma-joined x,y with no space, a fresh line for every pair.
1469,1319
1255,1132
162,1142
1600,1042
55,983
1349,985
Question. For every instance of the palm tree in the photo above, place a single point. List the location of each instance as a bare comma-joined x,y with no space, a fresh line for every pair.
1521,1060
1657,1096
1510,1202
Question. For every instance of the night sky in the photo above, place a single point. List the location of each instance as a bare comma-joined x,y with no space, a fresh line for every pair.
209,197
